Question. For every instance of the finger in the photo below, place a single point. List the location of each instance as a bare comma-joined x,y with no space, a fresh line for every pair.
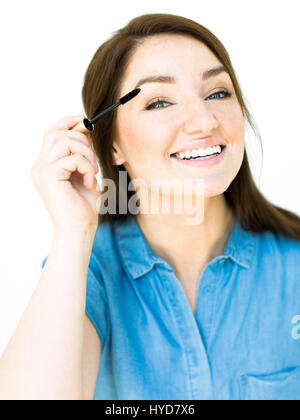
65,146
53,135
68,122
67,165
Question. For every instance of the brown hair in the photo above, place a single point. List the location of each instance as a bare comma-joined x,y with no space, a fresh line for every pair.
102,88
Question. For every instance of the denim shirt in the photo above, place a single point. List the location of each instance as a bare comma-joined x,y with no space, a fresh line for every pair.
243,343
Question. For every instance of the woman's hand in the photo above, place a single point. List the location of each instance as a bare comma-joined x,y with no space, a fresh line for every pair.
66,182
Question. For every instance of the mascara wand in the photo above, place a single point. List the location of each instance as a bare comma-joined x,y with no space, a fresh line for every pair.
85,126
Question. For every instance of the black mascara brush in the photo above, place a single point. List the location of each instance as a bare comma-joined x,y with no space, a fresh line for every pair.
85,126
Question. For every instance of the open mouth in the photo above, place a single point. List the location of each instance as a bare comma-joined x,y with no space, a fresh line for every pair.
174,155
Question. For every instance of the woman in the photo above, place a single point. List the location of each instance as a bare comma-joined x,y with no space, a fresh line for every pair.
174,310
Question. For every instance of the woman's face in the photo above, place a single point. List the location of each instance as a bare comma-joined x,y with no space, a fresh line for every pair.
189,114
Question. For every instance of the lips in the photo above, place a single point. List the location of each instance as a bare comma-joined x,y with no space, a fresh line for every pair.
201,144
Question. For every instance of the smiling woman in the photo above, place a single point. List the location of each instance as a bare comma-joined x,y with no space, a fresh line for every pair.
201,293
104,84
174,311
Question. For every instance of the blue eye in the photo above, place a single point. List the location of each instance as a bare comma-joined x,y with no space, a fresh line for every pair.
160,101
221,92
152,106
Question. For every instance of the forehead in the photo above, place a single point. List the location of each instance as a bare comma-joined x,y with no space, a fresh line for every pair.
170,54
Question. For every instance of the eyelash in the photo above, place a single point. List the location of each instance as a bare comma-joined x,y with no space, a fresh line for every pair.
151,106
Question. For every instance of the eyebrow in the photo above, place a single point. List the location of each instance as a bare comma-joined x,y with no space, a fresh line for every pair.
171,80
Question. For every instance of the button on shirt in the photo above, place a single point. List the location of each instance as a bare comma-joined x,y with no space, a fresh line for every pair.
242,344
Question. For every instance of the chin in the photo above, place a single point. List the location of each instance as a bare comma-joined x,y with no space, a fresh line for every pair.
214,188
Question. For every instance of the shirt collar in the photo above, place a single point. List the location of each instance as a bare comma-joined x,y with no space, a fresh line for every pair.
139,258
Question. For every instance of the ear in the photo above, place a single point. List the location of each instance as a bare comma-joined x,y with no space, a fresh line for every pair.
118,157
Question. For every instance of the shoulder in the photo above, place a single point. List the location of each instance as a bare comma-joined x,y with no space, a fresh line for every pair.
289,250
288,246
275,271
104,241
105,261
280,253
278,244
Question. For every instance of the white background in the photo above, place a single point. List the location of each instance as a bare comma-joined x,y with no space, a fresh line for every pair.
46,47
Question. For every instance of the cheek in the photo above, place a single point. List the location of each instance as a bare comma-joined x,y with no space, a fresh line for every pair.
132,140
232,126
147,137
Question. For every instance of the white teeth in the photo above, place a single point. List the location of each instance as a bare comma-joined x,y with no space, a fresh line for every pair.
199,153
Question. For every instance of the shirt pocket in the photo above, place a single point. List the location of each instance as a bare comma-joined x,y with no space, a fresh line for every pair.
281,386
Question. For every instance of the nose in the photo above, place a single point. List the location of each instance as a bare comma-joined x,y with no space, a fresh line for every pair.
199,117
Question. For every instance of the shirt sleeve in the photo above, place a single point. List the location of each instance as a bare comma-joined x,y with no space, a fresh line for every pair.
96,303
96,300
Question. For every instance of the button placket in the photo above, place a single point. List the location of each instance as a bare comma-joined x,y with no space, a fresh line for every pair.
197,361
206,299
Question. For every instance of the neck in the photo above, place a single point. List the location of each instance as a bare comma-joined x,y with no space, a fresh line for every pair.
188,248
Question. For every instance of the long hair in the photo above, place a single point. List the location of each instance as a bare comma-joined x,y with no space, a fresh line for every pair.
101,89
